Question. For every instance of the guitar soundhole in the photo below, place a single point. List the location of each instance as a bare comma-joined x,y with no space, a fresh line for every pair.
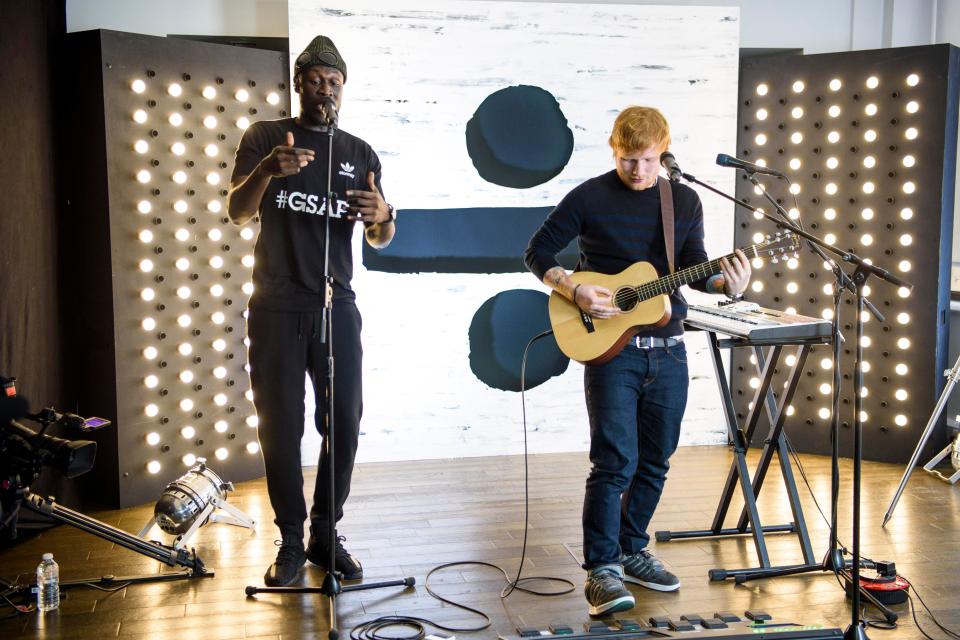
626,298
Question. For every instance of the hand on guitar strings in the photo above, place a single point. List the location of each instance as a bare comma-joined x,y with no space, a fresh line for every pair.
595,300
736,273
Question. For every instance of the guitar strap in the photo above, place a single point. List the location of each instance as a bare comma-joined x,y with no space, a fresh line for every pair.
666,212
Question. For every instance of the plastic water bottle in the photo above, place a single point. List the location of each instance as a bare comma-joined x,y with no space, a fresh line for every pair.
48,584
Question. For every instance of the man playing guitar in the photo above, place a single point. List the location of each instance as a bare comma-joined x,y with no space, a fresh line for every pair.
636,398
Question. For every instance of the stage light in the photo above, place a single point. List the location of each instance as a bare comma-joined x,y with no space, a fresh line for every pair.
906,239
900,394
798,86
869,162
180,206
182,264
188,432
210,122
175,90
909,187
756,286
220,399
220,426
219,344
179,177
248,394
153,467
795,188
242,95
796,112
795,163
835,84
146,265
762,89
911,133
211,150
143,176
901,369
175,119
833,111
273,98
138,86
866,239
151,381
246,233
214,206
153,438
826,363
904,265
792,287
830,238
183,292
830,214
824,413
213,178
833,137
827,314
825,388
754,382
150,353
220,373
909,161
913,106
864,416
139,116
151,410
148,324
756,263
216,290
913,80
186,404
761,139
185,348
247,288
903,292
870,109
796,137
181,234
900,420
867,214
830,188
253,421
866,342
870,135
215,261
209,92
906,213
141,146
189,459
832,162
215,235
793,263
217,317
253,447
186,376
243,123
791,410
221,453
903,343
147,294
827,289
761,114
183,320
873,82
144,207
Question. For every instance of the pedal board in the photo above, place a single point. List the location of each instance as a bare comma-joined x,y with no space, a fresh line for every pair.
721,625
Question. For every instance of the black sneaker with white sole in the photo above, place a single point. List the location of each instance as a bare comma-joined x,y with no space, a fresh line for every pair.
645,570
290,559
605,591
345,564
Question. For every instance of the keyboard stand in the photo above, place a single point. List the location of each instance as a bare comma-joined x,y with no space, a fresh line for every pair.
775,444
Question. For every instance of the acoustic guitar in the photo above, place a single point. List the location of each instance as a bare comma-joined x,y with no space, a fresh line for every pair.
643,299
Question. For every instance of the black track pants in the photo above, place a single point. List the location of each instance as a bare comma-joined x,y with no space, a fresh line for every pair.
284,345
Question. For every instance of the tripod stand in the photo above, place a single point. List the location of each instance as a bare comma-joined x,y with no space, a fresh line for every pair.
168,555
331,586
833,561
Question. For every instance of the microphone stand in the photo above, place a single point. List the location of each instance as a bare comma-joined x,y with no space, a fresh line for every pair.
834,560
331,586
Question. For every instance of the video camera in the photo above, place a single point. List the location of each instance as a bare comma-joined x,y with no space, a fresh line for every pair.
24,452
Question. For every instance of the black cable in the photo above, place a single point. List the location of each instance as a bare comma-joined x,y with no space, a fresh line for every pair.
950,633
373,629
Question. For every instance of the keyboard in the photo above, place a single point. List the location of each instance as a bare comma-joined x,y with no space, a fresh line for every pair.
750,321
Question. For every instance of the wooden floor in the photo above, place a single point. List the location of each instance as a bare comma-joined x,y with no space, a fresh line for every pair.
404,518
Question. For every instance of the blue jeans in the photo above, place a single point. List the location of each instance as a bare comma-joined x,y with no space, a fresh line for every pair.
635,403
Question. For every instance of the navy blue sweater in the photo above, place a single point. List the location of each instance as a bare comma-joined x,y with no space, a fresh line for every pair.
616,227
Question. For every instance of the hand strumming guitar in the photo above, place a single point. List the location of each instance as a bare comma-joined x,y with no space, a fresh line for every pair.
595,300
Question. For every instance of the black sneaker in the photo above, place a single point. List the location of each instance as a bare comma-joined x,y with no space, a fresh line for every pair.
605,591
644,569
345,564
290,558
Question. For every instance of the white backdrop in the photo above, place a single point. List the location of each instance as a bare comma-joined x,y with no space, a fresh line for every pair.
416,73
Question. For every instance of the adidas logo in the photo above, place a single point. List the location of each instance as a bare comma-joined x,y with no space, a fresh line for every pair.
346,169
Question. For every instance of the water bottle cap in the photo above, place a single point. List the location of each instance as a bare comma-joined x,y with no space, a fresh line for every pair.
47,556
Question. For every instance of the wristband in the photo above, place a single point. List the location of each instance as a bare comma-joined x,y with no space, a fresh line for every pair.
575,293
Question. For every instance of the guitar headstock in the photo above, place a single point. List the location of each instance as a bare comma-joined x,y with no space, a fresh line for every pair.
777,246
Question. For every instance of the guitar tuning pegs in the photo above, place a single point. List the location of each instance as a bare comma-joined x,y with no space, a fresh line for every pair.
775,259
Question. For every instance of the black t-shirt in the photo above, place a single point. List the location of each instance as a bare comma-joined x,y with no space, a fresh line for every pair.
288,259
617,227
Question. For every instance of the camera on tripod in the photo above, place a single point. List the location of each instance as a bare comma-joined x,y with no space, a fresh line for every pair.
24,451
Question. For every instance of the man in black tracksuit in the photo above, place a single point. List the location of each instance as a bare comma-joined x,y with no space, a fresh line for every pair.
281,174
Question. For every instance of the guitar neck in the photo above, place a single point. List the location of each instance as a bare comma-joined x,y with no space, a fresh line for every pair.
674,281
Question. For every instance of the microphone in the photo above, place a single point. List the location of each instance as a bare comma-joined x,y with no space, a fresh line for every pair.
669,162
729,161
329,109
